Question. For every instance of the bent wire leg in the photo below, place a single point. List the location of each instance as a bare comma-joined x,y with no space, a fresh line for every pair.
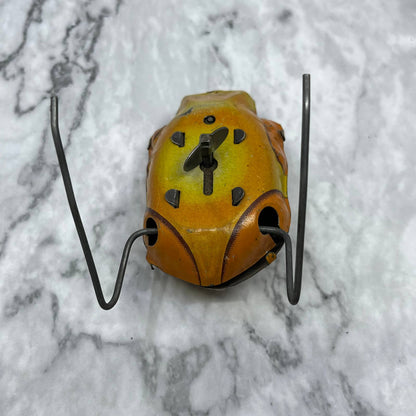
78,222
294,288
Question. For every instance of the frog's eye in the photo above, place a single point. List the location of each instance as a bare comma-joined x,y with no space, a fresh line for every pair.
209,119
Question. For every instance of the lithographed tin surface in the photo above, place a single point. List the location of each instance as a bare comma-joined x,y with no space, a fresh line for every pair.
207,219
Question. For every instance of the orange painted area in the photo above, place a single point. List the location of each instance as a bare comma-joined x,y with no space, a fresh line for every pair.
198,232
169,241
247,245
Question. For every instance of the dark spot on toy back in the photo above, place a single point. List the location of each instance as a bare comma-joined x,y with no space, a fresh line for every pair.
172,197
178,138
237,194
239,136
209,119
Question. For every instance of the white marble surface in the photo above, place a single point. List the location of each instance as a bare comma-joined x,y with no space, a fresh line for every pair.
120,69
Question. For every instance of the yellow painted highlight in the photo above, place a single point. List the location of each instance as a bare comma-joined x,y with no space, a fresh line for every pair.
206,222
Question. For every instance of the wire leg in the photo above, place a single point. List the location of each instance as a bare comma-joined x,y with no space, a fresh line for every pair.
78,222
294,287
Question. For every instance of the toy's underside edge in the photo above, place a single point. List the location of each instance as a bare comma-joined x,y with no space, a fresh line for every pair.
250,272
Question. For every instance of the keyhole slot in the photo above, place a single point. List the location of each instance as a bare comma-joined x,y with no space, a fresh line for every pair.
208,186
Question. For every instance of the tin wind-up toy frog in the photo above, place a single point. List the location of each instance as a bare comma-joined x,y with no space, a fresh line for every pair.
217,203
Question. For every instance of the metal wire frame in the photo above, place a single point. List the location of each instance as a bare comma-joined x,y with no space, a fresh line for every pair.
78,222
294,287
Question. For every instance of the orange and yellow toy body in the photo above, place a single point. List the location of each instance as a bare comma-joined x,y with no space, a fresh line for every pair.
208,222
